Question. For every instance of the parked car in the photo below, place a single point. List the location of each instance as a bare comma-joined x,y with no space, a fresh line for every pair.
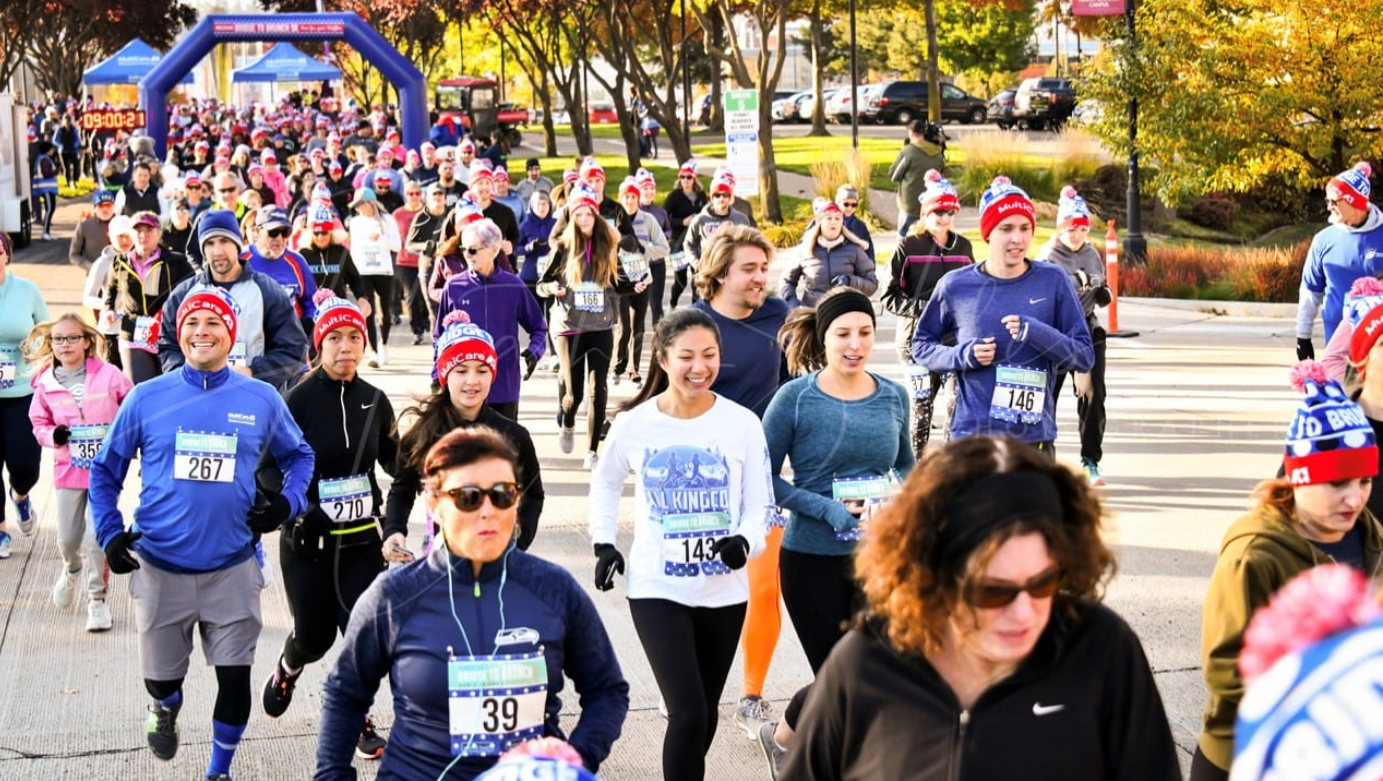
808,104
1044,102
1000,110
780,101
838,105
603,114
1087,112
786,109
900,102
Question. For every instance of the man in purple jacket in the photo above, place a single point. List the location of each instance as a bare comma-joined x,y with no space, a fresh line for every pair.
498,302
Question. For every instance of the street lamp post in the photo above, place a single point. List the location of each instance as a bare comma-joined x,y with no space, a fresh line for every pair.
686,81
854,85
1135,246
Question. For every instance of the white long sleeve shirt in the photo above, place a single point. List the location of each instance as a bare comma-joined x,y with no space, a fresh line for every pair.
695,481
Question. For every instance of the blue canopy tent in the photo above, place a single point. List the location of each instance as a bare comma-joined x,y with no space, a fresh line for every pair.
127,66
285,62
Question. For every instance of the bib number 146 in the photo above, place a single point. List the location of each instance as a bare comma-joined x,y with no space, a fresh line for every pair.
1025,400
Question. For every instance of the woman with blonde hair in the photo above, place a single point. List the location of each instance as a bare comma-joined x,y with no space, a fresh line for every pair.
829,256
76,397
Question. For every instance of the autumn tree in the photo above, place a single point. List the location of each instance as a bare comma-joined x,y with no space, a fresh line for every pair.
1231,93
62,38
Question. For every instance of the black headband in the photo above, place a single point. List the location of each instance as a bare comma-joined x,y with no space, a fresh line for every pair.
992,502
841,303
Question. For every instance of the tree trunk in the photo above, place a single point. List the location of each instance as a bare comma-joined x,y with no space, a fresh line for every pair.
818,74
628,119
933,63
717,44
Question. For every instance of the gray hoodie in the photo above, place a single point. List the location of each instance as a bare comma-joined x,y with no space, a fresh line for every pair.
1086,260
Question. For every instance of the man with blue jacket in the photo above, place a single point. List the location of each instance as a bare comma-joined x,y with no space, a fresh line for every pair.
198,432
270,344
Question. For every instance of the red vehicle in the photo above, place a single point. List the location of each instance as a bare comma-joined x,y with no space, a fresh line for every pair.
474,102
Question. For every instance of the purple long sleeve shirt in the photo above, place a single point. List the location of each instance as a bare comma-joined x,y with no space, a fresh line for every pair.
499,303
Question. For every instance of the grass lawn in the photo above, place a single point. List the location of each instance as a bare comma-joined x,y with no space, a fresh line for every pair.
797,154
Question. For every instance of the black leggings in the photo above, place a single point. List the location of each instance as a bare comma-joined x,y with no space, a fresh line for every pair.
232,694
381,286
322,592
19,451
590,354
1202,769
47,203
633,313
821,595
411,289
690,650
140,365
656,289
1090,396
680,283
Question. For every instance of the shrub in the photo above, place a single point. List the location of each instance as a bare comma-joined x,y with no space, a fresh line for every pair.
1269,275
1213,210
1079,157
1004,154
789,234
853,168
82,187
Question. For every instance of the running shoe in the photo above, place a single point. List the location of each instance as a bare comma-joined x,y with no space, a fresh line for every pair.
383,354
419,339
25,508
278,690
370,745
635,378
161,728
372,360
4,545
772,751
218,777
1092,471
615,379
566,438
662,707
752,713
590,461
64,587
97,616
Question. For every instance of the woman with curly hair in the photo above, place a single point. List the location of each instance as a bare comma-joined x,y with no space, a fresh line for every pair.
984,649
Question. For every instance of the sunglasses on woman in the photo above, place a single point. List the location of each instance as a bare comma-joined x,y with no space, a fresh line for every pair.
473,251
992,596
467,498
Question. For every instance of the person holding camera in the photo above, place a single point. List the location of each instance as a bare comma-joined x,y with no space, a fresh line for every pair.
925,151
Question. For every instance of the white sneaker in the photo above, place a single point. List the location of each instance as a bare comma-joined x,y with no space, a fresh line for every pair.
47,237
662,706
590,461
64,587
97,616
372,360
566,437
752,713
383,354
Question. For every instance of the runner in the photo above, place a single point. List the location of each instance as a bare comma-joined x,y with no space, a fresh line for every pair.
331,554
21,308
984,638
701,507
373,240
648,192
1016,324
1351,247
329,261
584,280
76,396
1071,250
269,255
466,367
848,199
406,266
270,344
1313,515
509,197
717,212
930,250
92,235
636,261
138,284
474,610
733,282
533,180
828,257
199,514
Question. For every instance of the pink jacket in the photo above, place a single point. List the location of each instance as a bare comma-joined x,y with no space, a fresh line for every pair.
53,406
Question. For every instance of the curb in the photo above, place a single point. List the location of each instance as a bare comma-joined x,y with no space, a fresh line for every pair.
1219,308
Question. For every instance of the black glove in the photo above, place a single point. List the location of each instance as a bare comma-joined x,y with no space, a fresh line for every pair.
608,561
734,551
430,249
1082,279
530,362
840,280
1305,350
119,553
1103,295
61,434
308,537
271,510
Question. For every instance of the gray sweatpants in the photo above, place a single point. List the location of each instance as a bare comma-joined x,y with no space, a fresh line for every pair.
77,540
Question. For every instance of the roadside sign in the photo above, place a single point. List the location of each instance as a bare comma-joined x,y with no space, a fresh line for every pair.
742,138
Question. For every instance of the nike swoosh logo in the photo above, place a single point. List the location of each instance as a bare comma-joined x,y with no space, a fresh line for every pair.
366,406
1036,300
1038,709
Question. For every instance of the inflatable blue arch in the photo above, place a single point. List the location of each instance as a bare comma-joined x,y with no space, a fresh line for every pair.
214,29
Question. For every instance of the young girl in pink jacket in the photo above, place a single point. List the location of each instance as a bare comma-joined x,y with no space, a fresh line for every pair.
76,396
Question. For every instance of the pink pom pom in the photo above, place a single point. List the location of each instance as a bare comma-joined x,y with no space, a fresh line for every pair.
322,294
998,180
1366,286
932,176
1068,192
458,316
1364,168
549,748
1308,370
1312,606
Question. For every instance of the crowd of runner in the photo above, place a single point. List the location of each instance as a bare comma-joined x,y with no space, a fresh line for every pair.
945,589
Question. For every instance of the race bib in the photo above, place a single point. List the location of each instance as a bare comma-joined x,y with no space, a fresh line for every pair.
84,443
590,297
920,380
373,260
204,458
495,702
145,334
543,263
345,498
635,265
869,490
1020,395
679,261
237,356
687,542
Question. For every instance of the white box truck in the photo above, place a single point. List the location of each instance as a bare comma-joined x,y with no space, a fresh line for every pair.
16,215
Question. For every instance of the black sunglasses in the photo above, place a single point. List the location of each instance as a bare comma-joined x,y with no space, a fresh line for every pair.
686,176
321,233
992,596
278,233
850,205
474,250
227,190
467,498
945,212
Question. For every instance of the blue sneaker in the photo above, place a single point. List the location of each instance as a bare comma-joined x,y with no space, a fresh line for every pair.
4,545
25,508
1092,472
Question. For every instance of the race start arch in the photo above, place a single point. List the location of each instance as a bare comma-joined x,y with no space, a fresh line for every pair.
214,29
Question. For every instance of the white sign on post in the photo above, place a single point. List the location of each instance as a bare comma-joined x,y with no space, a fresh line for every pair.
742,138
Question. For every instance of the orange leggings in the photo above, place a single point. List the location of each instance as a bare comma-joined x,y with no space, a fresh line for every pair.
764,619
